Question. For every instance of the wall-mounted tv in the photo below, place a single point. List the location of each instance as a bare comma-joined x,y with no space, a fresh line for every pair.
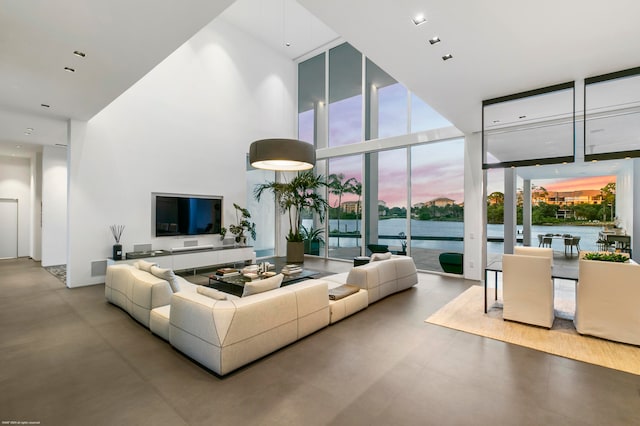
187,215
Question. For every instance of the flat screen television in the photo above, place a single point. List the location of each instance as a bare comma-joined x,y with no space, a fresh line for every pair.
187,215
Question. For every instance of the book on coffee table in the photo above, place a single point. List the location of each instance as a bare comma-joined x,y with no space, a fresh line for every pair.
227,272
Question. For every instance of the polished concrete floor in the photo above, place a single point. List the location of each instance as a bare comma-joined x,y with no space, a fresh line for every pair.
67,357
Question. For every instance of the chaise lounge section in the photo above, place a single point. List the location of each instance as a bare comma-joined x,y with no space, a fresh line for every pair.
224,335
384,275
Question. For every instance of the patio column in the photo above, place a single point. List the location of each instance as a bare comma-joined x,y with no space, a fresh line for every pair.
509,210
526,213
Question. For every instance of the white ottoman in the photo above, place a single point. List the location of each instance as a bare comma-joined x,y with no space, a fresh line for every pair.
159,321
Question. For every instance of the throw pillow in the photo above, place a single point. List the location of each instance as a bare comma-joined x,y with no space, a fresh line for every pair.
143,265
380,256
261,286
167,274
211,292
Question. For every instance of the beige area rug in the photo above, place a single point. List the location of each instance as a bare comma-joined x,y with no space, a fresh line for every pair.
466,313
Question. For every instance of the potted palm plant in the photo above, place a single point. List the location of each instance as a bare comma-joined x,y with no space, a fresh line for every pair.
298,195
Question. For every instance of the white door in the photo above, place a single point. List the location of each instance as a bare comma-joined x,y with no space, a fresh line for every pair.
8,228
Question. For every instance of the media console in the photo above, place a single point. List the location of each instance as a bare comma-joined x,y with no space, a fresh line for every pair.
191,257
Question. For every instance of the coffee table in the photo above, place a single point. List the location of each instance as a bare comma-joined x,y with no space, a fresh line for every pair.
234,284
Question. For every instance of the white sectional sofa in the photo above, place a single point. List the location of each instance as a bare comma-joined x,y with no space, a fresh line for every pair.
138,291
380,278
224,332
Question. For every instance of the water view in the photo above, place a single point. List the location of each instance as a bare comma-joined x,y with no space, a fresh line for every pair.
427,228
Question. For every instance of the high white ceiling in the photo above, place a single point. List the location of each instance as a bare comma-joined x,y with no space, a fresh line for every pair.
122,40
499,47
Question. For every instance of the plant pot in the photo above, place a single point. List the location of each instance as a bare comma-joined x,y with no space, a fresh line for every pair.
312,247
295,252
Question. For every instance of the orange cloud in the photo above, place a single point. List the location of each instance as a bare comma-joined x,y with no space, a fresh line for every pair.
576,184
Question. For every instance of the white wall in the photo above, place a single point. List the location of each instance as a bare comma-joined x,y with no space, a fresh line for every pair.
183,128
36,206
54,206
15,182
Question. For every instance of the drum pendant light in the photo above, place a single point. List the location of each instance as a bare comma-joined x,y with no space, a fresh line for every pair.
282,154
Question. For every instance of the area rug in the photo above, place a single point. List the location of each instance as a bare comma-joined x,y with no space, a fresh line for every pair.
58,271
466,313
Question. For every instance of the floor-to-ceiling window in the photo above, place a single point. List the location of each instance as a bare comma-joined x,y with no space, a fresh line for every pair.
345,95
344,180
392,199
372,192
437,201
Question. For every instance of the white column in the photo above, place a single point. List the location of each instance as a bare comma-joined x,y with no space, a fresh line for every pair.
526,213
474,208
510,200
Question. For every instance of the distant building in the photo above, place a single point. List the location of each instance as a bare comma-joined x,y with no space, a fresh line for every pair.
571,198
351,207
440,202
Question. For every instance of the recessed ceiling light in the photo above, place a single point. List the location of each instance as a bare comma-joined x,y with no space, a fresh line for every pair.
27,133
419,19
69,69
627,158
564,162
79,53
287,44
45,105
29,129
434,40
537,165
447,57
594,161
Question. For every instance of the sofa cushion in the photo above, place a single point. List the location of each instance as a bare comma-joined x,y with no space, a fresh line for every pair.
211,292
261,286
143,265
168,275
380,256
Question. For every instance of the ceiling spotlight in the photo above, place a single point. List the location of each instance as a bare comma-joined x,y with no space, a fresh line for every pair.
447,57
79,53
522,116
434,40
68,69
287,44
29,129
419,19
45,105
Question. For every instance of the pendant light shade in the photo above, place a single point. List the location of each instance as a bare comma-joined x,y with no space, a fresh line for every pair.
282,154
